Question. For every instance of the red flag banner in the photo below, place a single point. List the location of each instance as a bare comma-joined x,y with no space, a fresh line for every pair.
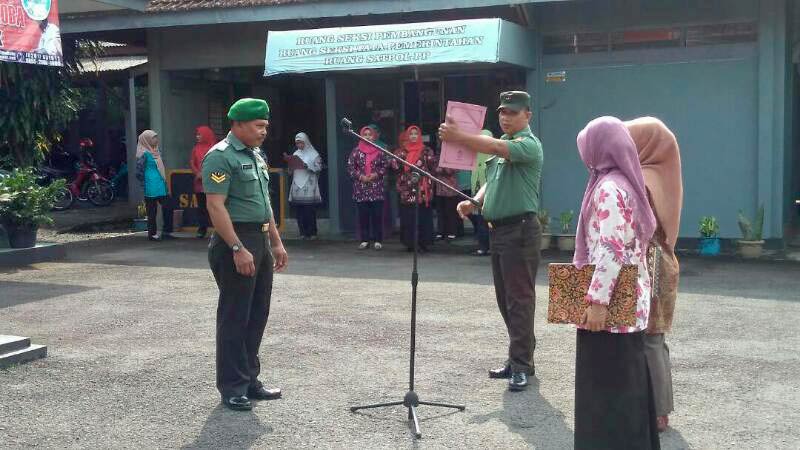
29,32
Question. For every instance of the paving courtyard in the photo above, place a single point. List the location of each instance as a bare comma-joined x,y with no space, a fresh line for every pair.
130,330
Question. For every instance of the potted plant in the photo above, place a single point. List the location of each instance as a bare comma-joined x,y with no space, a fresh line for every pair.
24,205
544,221
140,222
566,240
709,236
751,245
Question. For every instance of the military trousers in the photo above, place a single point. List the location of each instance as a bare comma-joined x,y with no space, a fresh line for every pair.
242,311
515,260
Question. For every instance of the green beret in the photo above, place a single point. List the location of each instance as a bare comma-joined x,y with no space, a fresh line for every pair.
247,109
515,100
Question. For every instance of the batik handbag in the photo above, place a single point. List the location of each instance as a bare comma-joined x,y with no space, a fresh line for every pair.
569,286
654,255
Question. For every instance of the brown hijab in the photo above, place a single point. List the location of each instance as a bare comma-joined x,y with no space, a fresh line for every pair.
147,144
660,158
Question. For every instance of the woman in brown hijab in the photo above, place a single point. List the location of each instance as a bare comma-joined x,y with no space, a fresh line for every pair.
660,158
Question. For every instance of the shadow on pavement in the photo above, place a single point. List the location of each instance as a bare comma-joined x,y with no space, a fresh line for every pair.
529,415
230,429
317,258
672,439
17,293
445,263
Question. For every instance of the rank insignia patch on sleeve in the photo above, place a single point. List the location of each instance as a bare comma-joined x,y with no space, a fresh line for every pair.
218,177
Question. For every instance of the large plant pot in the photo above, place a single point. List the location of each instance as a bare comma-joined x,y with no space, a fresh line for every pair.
709,246
751,249
547,241
21,236
139,224
566,243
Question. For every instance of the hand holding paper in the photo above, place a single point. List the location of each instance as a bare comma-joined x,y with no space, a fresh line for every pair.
460,118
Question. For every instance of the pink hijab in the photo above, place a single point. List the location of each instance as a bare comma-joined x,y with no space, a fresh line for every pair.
370,151
608,151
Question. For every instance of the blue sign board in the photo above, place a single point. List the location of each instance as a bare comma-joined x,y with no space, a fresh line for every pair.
379,46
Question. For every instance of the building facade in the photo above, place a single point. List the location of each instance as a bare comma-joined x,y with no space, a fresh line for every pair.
721,73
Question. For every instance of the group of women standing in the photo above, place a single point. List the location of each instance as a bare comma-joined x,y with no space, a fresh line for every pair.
368,167
630,215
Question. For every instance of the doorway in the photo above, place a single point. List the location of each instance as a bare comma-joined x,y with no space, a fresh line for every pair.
422,106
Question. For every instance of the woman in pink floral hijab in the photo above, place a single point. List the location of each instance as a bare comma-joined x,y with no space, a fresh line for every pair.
613,396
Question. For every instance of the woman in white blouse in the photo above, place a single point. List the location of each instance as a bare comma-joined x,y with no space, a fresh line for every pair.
613,395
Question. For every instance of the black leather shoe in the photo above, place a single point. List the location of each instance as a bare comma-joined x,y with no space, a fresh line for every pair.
238,403
503,372
263,393
518,381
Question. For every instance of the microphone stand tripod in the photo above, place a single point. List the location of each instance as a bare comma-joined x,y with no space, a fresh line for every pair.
411,399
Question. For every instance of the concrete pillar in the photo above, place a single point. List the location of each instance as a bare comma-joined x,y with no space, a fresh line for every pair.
332,133
135,193
772,98
157,82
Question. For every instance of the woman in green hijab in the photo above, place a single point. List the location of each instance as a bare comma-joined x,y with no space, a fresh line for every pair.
478,222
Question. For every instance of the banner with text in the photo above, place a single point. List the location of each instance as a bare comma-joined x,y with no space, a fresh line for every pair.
29,32
377,46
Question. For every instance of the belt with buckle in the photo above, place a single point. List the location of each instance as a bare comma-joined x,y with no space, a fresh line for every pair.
511,220
251,227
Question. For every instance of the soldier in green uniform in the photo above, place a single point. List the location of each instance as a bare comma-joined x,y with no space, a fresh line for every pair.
510,202
244,250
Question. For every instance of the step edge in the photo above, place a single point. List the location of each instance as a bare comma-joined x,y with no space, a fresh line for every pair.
20,343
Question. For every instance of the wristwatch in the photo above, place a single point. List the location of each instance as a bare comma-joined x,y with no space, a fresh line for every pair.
236,247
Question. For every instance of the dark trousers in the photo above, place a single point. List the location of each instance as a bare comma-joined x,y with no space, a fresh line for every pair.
447,215
515,259
614,406
242,312
306,219
152,211
481,230
425,226
202,211
370,220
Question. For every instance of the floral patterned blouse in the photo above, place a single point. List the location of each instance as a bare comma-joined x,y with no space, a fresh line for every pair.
612,243
366,191
428,163
449,177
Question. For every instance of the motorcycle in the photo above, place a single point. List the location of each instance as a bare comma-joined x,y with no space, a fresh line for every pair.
90,185
46,175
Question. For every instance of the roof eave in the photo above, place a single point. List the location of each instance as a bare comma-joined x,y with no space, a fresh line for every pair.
266,13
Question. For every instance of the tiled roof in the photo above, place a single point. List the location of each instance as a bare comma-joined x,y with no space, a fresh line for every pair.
188,5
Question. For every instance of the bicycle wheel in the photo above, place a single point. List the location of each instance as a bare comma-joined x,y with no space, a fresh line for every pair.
100,193
64,200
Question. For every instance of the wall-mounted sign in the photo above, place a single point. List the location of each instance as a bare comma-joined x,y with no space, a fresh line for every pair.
29,32
375,46
181,190
556,77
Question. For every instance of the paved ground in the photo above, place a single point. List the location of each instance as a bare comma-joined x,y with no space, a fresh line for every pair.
83,213
130,326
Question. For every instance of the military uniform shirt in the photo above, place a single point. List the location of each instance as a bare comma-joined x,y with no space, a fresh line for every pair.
232,169
512,185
